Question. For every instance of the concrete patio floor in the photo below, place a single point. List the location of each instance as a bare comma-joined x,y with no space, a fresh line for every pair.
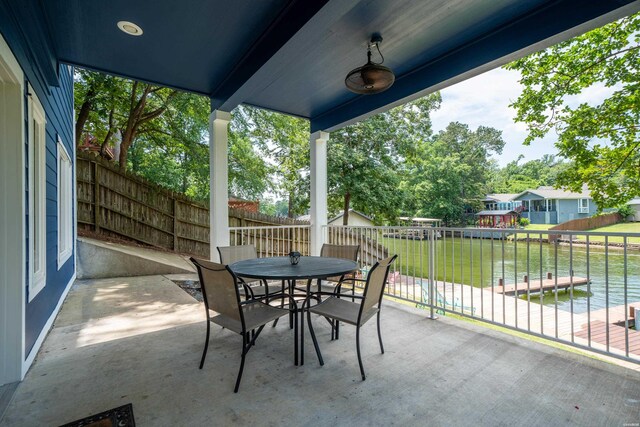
139,340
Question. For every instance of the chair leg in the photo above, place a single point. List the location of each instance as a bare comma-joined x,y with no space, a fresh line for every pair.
337,330
295,339
206,344
379,335
315,341
245,346
358,351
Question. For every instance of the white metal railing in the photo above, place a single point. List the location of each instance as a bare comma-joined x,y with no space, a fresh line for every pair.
273,240
590,281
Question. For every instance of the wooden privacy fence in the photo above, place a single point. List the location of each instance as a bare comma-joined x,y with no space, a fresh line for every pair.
124,205
583,224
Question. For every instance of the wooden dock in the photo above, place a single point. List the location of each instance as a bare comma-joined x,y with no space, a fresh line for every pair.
618,336
536,285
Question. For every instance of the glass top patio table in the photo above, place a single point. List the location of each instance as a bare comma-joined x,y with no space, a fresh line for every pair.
280,268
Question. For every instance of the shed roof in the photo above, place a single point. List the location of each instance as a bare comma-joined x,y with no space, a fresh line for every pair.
496,212
351,211
417,219
501,197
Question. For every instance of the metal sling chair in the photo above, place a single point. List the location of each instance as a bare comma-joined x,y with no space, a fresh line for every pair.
221,295
354,313
334,284
253,288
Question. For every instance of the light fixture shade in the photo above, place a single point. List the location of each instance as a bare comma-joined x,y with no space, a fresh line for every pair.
370,79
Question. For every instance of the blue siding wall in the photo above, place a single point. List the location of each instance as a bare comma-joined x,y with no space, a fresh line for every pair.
58,106
568,210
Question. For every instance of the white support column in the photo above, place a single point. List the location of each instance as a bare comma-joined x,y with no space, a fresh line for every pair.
318,211
218,181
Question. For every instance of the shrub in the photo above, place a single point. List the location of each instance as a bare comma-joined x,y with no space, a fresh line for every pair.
524,222
625,211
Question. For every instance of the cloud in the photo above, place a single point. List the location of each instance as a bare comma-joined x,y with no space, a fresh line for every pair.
484,101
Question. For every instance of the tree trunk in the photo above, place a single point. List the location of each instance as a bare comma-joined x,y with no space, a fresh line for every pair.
83,115
107,138
184,173
137,117
290,206
347,201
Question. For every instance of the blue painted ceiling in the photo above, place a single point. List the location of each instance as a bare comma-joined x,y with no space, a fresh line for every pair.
292,55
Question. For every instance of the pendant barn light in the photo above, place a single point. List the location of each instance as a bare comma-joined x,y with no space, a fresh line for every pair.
372,77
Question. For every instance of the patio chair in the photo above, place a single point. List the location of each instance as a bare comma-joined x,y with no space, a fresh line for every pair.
335,284
223,307
354,313
253,288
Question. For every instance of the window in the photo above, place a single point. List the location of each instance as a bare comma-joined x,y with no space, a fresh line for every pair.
37,195
65,205
583,206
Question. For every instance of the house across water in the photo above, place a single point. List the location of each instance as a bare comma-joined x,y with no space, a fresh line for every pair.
547,205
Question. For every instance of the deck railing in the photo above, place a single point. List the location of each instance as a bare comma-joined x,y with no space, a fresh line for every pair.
273,240
575,287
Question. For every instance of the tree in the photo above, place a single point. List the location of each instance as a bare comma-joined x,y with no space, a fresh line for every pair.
364,159
284,140
164,134
450,171
601,139
516,177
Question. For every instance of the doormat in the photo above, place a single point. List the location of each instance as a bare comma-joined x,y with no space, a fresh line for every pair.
121,416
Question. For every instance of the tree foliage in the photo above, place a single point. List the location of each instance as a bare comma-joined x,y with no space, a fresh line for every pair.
284,143
365,159
601,139
163,134
449,172
516,177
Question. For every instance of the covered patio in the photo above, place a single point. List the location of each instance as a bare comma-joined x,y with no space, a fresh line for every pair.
139,340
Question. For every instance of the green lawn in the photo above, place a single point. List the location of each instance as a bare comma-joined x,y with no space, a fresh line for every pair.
624,227
538,226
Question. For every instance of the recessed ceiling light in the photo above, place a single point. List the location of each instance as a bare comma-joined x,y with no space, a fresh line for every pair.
130,28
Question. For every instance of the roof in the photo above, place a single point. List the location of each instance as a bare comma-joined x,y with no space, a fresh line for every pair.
234,198
351,211
292,56
501,197
406,218
492,213
554,193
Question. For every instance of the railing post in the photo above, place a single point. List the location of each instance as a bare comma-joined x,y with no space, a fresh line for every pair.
432,269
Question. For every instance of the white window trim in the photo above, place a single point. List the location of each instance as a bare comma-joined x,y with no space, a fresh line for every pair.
65,206
581,208
37,278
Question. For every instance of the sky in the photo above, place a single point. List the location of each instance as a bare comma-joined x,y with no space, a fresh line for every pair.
484,101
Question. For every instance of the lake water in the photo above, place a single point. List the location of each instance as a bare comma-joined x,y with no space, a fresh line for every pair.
476,261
